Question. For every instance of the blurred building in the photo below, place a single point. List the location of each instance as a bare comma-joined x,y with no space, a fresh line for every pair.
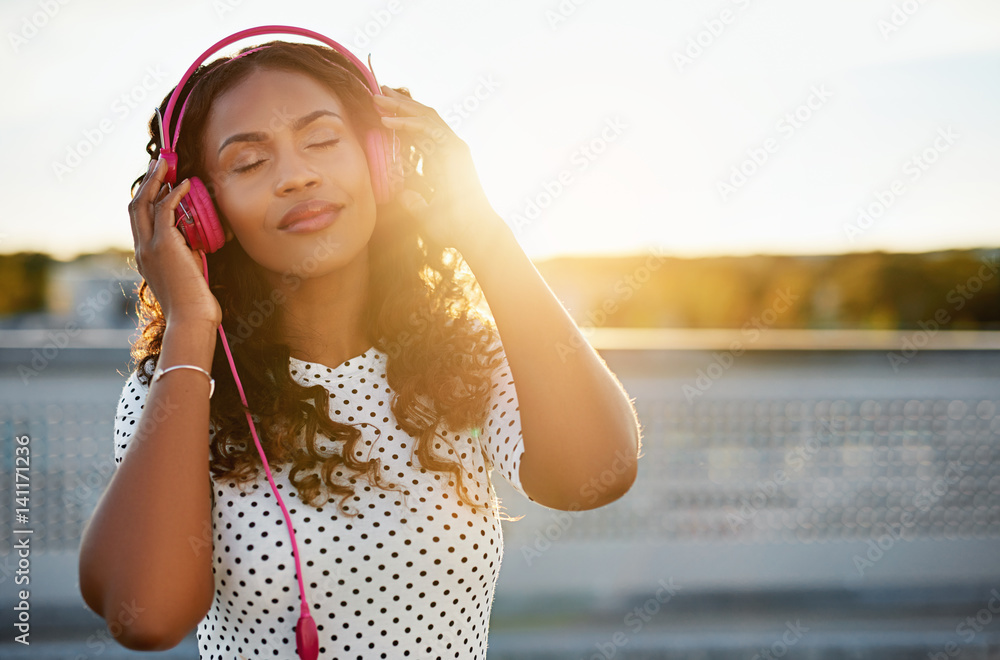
95,291
803,503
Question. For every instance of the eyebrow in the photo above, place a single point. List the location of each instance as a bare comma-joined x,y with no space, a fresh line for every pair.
297,124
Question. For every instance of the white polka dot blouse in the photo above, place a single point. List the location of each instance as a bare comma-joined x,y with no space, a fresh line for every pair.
408,577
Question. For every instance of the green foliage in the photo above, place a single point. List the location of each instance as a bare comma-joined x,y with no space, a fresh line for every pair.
873,290
25,281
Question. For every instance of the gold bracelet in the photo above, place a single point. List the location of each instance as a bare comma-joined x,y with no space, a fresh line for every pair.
211,381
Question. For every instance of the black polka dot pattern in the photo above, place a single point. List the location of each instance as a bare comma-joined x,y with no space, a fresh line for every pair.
411,576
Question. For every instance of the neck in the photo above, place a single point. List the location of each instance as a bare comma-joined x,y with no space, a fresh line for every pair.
322,318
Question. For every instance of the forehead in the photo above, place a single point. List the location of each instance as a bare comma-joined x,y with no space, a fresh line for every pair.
268,100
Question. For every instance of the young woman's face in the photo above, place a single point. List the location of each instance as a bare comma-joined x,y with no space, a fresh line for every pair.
289,176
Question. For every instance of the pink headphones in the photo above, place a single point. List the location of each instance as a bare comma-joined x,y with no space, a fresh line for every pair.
196,217
199,223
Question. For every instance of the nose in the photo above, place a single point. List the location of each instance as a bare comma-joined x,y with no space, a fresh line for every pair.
294,172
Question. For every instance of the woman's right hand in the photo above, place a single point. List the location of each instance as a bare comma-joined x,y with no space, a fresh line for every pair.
171,268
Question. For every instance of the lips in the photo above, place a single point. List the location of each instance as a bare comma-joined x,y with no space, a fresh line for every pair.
312,215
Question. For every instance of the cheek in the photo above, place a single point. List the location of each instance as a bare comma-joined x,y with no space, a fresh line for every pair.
362,178
236,207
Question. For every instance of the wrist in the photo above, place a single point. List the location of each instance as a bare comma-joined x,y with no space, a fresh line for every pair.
190,342
160,371
192,325
491,234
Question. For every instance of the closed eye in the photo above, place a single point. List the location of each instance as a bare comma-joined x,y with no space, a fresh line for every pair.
255,165
328,143
247,168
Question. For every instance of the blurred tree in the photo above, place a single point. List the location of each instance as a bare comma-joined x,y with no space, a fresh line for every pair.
874,290
25,277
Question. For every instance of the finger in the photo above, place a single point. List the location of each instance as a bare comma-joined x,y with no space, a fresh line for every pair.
394,93
141,206
399,103
165,216
422,125
163,192
154,179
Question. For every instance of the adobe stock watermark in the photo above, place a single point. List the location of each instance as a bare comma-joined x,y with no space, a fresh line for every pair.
895,532
379,20
765,489
928,497
878,547
752,330
445,641
624,288
713,29
96,480
152,417
562,520
580,160
913,168
958,297
99,641
291,280
59,339
263,309
970,627
562,12
756,156
427,145
32,24
119,110
223,7
794,632
638,617
461,110
899,16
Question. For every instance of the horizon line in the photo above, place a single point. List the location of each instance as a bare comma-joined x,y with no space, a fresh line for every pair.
597,255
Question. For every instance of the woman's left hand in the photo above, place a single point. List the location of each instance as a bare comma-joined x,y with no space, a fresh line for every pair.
453,209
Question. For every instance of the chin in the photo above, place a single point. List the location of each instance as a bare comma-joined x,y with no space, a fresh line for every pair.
324,256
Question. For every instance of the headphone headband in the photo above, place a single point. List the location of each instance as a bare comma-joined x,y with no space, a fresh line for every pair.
168,145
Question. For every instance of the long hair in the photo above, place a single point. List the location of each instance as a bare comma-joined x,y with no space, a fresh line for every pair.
424,311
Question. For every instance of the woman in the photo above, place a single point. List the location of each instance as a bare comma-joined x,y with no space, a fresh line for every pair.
382,393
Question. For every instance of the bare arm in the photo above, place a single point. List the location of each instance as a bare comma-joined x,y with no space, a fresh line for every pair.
145,556
146,553
580,431
581,435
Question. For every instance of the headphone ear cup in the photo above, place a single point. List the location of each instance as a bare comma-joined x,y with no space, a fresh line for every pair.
382,152
198,220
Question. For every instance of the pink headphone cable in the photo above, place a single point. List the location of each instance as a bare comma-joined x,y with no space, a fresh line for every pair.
306,635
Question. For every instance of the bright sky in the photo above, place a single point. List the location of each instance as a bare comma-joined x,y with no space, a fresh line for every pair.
646,110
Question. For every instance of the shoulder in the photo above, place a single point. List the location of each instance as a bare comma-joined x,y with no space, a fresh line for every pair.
130,406
137,384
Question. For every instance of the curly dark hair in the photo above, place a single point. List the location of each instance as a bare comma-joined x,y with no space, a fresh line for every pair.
424,310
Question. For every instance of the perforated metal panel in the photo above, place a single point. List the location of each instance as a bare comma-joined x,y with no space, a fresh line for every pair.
810,470
70,467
